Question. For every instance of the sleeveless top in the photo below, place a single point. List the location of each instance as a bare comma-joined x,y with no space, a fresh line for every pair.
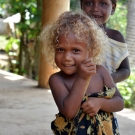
116,53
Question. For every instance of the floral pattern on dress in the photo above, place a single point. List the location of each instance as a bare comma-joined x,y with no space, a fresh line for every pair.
103,123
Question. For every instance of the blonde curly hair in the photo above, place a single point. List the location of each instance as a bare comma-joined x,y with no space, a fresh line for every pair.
85,30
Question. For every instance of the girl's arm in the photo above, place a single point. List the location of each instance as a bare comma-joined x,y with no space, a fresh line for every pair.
123,72
69,101
116,103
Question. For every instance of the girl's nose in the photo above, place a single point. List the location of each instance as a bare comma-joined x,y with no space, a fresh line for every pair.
95,7
67,56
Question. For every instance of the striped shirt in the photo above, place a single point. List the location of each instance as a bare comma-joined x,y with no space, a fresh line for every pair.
116,53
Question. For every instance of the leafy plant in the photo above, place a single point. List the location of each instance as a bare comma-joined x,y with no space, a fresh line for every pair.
27,31
13,44
12,51
127,89
118,20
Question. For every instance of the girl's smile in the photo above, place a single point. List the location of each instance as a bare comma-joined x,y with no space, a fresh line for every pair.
100,10
69,53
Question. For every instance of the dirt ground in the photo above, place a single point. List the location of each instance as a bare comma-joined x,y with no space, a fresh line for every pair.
28,110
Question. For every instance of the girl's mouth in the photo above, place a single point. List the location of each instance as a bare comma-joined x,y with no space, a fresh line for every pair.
96,16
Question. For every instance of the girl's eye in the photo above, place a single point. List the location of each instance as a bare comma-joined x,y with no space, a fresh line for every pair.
103,3
76,50
59,49
89,3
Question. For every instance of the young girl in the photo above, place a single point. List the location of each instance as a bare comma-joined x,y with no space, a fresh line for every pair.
117,57
77,46
117,54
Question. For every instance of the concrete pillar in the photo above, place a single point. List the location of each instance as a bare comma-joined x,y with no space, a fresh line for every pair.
50,12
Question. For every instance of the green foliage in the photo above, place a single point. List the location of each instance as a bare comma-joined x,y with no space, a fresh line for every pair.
118,20
74,4
127,89
30,23
13,44
12,51
27,30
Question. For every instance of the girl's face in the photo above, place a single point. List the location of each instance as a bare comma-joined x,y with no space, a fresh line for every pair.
69,53
100,10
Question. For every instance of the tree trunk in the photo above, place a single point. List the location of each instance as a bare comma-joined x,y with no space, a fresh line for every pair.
51,9
130,31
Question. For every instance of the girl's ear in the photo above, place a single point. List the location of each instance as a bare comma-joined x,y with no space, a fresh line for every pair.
113,8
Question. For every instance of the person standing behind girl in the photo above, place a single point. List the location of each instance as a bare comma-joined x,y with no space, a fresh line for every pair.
117,55
76,45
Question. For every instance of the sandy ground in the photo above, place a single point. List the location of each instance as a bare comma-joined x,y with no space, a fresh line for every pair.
28,110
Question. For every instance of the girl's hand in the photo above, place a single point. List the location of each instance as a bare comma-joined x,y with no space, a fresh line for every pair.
86,68
91,106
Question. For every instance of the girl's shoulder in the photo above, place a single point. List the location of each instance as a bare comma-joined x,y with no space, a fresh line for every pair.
101,69
55,77
115,35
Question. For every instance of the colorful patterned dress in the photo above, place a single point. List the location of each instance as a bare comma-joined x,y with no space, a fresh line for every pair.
102,123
